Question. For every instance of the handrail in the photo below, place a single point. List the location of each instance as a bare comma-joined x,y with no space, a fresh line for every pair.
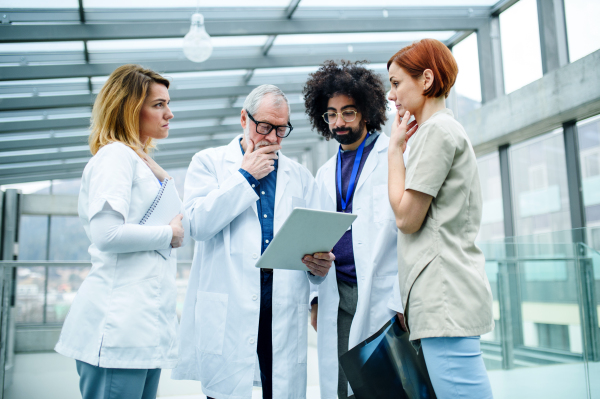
58,263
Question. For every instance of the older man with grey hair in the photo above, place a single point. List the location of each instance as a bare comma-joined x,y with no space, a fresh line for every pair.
241,324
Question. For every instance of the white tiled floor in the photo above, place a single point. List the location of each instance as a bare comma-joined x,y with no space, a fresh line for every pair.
52,376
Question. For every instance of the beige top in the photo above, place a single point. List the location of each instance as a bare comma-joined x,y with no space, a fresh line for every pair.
445,290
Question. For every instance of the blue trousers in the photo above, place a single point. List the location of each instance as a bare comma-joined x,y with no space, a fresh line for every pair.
102,383
456,367
264,347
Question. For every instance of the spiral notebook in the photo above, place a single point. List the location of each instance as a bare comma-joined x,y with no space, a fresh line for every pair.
164,208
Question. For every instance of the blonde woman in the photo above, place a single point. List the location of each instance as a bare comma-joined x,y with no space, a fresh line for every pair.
122,326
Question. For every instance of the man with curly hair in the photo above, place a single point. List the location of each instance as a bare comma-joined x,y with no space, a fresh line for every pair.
347,102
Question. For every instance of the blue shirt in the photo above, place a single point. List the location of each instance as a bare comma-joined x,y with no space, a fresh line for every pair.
265,207
345,268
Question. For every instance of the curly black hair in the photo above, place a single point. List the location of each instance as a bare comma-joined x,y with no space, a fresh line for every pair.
363,85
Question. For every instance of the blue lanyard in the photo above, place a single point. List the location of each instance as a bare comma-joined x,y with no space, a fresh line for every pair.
357,159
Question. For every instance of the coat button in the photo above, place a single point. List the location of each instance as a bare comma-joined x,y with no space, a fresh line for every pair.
253,186
254,256
251,341
254,297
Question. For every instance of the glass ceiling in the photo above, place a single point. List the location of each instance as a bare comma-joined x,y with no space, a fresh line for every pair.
45,112
237,3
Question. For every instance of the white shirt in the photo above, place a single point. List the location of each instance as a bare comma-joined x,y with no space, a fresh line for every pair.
124,313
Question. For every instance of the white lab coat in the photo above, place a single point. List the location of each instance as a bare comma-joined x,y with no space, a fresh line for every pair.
219,325
124,313
374,237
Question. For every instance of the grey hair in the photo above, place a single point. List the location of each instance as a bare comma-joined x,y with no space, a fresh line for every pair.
252,102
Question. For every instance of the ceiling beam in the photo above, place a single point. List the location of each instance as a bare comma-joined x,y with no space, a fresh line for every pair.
425,21
291,8
502,6
79,100
37,141
73,168
379,55
83,122
169,144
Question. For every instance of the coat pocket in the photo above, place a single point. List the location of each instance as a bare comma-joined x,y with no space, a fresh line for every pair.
211,318
132,321
302,332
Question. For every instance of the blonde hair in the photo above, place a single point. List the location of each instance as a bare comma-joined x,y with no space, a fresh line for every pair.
116,112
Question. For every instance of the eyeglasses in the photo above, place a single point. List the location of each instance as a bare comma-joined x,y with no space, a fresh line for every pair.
265,128
348,116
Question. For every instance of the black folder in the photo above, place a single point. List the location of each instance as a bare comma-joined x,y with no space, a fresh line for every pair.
387,366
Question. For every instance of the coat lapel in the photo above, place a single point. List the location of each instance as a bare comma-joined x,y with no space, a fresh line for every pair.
283,177
380,145
233,156
329,172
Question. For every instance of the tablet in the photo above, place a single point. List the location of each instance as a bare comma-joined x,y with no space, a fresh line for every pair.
305,231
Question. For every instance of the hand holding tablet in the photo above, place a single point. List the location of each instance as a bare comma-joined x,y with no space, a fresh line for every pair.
305,231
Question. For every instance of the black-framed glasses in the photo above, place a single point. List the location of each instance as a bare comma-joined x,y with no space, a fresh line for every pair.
348,115
265,128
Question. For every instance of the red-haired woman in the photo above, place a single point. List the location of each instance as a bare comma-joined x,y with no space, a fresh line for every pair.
437,203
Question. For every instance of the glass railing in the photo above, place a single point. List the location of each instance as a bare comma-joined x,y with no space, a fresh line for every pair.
45,290
545,289
546,305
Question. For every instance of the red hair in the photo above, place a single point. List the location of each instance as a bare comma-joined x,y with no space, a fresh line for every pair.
428,54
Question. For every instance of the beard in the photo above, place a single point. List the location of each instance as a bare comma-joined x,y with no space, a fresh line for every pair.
352,136
260,144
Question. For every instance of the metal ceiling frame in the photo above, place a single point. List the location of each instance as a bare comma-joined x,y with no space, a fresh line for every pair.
239,22
45,149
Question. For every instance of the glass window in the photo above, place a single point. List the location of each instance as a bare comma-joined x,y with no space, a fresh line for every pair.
66,186
492,219
583,30
33,235
468,84
178,3
379,37
553,336
492,229
40,47
539,185
38,4
63,283
27,88
68,240
30,295
589,157
393,3
520,37
38,187
171,43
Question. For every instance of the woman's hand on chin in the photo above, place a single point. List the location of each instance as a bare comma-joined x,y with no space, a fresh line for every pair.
402,131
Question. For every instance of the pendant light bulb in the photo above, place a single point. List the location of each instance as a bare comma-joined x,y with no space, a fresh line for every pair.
197,45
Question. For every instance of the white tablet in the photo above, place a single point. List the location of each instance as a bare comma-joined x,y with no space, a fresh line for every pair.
304,232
